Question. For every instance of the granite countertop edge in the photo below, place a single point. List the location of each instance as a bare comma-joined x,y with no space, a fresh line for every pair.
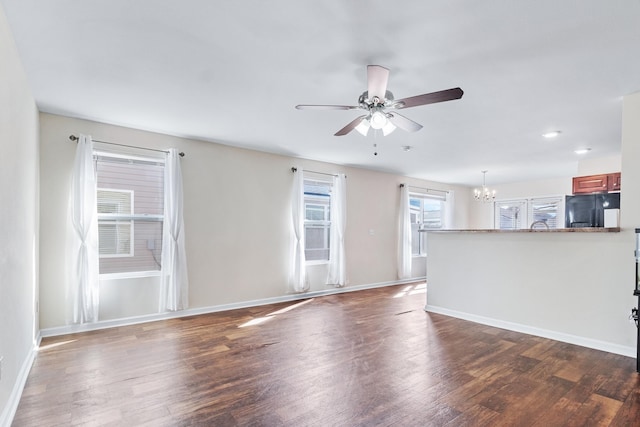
526,230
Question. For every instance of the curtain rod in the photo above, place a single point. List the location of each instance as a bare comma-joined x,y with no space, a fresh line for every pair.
295,169
75,139
426,189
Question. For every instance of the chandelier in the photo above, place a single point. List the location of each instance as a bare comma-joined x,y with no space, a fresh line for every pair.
484,194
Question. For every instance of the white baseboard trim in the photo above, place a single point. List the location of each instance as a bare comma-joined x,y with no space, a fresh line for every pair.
9,411
71,329
530,330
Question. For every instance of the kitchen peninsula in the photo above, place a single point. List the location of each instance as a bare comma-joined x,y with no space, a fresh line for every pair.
541,282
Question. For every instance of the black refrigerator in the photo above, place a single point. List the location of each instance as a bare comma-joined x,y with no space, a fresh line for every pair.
587,210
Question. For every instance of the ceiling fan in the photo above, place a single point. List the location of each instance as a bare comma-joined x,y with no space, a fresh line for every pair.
377,100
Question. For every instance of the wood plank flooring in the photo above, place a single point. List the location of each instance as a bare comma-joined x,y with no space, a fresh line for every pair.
367,358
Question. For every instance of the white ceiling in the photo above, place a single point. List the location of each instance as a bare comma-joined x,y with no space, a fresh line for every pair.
232,71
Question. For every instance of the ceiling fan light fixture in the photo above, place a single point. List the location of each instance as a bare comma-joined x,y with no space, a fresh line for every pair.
363,127
378,120
388,128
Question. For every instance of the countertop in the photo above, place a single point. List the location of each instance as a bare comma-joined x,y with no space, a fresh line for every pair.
536,230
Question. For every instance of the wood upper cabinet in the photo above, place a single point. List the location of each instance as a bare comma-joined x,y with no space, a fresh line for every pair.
614,181
596,183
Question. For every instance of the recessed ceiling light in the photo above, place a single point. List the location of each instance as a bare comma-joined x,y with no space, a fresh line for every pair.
552,134
582,150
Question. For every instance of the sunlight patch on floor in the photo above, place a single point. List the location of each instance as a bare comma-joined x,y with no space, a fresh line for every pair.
420,288
54,345
260,320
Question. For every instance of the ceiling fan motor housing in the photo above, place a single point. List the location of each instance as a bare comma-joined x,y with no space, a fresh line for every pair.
366,103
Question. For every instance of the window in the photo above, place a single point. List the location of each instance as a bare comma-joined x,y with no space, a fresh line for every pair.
426,214
511,215
130,204
548,211
317,223
521,213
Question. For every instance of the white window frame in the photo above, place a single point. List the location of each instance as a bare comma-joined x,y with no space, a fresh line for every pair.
132,217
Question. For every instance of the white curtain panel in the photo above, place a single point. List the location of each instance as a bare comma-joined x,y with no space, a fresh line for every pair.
83,264
404,235
174,287
297,263
449,209
337,261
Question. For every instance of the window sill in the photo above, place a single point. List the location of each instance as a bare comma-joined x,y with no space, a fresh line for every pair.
317,262
130,275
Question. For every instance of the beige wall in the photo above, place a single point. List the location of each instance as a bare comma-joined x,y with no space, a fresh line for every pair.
630,185
599,165
18,221
237,219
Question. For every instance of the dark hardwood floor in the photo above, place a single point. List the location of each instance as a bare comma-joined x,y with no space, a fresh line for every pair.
367,358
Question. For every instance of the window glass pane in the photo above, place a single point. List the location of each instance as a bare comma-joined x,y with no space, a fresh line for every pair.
432,213
146,238
546,210
114,201
144,179
315,212
115,238
510,215
317,242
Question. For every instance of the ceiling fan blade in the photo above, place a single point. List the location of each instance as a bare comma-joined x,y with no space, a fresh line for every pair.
404,123
326,107
351,126
377,78
429,98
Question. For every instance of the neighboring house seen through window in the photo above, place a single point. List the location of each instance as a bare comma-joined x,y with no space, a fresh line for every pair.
130,199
